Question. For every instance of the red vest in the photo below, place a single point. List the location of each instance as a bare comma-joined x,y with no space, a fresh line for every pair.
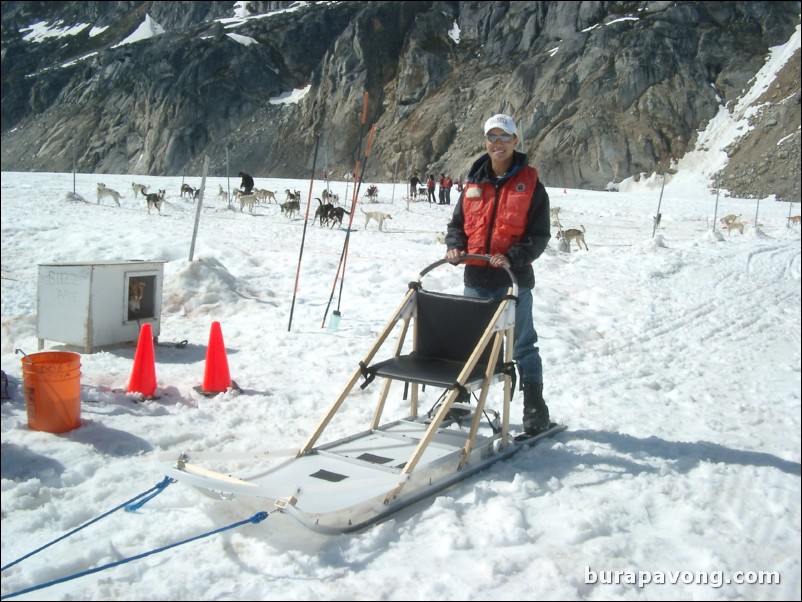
492,228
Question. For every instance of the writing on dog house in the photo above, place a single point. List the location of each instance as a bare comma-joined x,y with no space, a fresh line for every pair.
91,305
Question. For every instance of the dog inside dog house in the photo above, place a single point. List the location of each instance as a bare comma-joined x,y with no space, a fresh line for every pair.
92,305
141,299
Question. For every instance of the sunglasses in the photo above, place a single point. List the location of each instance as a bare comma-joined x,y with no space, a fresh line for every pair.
499,137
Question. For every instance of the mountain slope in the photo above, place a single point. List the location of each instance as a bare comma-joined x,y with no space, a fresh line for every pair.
602,91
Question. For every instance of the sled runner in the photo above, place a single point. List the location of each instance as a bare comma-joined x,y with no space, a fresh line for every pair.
460,345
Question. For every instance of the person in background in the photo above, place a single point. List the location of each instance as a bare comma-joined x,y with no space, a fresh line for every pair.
447,184
430,188
247,182
503,212
442,188
414,183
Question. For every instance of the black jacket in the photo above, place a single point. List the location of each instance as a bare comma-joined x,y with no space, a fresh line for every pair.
521,255
247,182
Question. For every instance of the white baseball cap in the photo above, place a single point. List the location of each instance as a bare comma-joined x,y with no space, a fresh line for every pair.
503,122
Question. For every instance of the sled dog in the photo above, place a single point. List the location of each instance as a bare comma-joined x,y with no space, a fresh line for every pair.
155,200
102,191
136,290
578,236
378,216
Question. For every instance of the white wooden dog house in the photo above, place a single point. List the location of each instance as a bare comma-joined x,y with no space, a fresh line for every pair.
87,304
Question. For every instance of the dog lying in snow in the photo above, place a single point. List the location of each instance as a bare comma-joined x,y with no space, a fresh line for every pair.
74,196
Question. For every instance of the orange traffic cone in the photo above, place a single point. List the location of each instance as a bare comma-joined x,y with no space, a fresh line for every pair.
143,375
216,378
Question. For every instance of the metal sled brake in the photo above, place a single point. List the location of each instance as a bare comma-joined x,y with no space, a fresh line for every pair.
460,345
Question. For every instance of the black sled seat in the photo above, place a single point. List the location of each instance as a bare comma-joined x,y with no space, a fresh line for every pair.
447,330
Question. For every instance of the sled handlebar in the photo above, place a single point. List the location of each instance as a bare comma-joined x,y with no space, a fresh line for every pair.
462,258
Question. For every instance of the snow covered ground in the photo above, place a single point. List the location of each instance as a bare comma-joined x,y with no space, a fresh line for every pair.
673,358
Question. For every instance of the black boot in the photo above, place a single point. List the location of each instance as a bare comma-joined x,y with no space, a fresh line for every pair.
536,412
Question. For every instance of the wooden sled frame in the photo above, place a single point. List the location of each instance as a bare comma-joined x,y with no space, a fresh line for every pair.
350,483
501,327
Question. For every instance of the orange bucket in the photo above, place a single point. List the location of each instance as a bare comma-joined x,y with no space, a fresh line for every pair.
52,381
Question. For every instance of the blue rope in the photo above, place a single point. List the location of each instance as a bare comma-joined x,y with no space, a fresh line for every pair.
158,488
255,519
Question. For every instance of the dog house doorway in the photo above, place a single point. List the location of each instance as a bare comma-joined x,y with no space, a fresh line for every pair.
141,296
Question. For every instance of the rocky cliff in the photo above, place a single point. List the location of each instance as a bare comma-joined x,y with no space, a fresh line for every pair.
601,90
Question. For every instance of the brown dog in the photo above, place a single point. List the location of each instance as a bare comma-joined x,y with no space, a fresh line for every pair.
577,236
136,290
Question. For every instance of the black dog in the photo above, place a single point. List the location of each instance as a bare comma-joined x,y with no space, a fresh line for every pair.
336,215
155,200
322,212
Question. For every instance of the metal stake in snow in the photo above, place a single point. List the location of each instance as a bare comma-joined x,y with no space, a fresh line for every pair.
200,204
658,216
715,211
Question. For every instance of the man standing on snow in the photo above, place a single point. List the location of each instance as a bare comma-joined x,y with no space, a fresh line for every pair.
414,183
247,182
503,212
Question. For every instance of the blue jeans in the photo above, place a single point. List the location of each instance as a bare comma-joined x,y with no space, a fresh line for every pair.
525,353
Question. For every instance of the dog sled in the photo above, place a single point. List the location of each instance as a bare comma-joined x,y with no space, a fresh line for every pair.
459,346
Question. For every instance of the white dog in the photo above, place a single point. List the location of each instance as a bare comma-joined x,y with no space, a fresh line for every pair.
102,191
554,212
139,188
728,219
246,199
735,225
376,215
